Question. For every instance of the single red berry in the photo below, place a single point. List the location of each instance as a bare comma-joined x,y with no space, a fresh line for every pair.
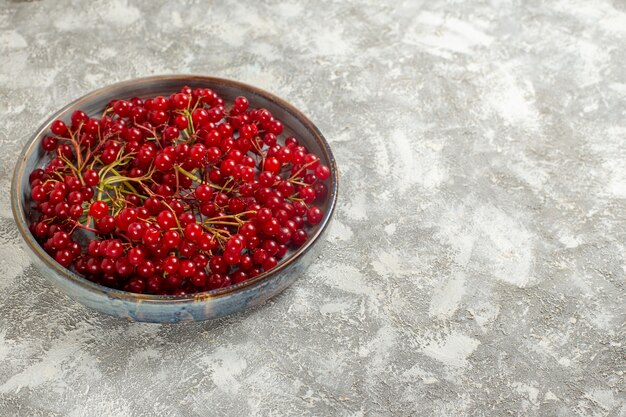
106,224
38,194
322,172
299,237
88,193
166,219
93,127
307,194
91,177
283,235
41,229
122,108
171,264
248,230
98,209
271,227
170,134
264,215
203,192
136,255
259,255
193,231
163,162
171,239
154,284
181,122
137,285
182,152
239,276
234,245
114,249
271,164
61,240
123,267
180,101
186,218
151,236
314,215
49,143
72,183
284,155
187,268
59,128
197,153
270,246
75,249
78,118
199,117
160,103
207,242
269,263
241,104
311,161
135,231
218,265
199,279
64,257
187,248
145,269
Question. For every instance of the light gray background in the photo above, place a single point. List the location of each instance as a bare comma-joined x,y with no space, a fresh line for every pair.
476,263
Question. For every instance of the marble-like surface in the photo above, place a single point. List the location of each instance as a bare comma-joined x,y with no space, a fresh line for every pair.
477,262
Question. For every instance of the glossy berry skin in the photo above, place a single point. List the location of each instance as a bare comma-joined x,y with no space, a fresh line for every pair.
166,219
98,209
106,224
59,128
187,268
203,192
78,118
136,255
299,237
322,172
272,164
193,232
135,231
314,215
151,236
91,177
64,257
241,104
49,143
164,162
171,239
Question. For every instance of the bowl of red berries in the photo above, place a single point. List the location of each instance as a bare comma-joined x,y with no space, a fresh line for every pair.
174,198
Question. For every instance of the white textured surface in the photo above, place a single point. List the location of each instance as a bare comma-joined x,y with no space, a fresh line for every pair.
476,264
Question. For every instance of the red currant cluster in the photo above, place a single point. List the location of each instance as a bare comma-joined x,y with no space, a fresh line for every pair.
174,195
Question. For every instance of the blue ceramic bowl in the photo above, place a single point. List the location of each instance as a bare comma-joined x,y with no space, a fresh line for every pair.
156,308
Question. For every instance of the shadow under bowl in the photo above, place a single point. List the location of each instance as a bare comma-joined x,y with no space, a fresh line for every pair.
193,307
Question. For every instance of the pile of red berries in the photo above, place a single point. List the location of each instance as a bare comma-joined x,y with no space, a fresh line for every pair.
174,195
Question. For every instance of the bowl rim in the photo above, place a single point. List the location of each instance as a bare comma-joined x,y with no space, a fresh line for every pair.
31,145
